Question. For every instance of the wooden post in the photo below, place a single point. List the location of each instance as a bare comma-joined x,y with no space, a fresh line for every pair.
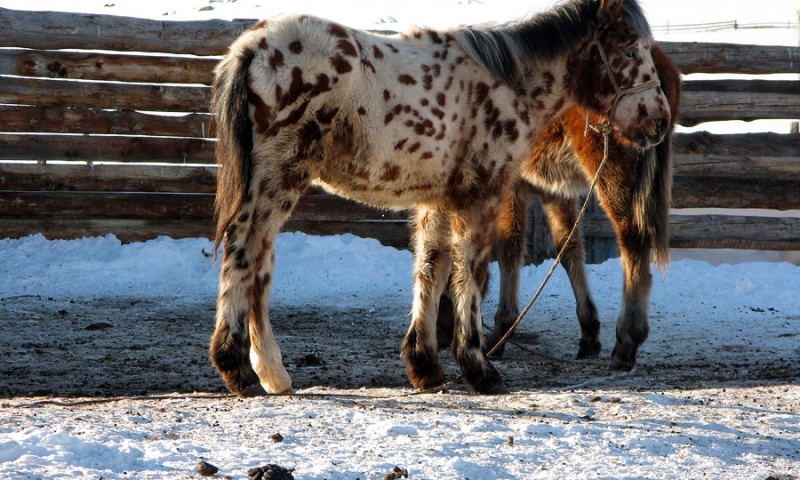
540,240
598,249
795,126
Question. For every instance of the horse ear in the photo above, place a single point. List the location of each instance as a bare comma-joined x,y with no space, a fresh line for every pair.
610,10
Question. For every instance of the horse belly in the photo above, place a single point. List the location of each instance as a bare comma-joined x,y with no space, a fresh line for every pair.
386,186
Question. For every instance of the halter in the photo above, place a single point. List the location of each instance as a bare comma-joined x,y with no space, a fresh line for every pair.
618,92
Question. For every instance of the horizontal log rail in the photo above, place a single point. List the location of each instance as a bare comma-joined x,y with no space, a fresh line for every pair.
126,96
59,30
109,66
84,148
701,101
71,119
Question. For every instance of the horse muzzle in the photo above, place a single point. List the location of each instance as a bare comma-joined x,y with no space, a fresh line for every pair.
652,132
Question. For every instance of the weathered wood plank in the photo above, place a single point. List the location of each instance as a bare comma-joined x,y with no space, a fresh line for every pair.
392,234
59,30
312,207
710,101
127,96
68,119
108,66
109,148
717,105
79,176
729,192
736,166
697,57
716,231
739,144
706,231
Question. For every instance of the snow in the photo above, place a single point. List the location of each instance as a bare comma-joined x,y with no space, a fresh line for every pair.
595,429
590,430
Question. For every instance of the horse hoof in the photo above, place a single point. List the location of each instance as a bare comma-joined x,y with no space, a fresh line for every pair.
255,390
497,389
588,350
497,354
618,365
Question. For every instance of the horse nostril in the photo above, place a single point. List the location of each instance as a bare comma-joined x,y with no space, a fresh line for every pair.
663,125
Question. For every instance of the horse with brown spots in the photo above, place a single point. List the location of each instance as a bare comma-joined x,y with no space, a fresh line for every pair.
435,121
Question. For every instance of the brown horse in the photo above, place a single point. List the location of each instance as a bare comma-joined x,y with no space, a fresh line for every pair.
635,191
436,121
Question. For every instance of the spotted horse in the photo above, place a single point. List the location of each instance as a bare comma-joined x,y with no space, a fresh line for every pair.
434,121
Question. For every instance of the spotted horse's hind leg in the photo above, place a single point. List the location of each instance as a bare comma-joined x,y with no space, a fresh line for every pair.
471,235
243,347
431,270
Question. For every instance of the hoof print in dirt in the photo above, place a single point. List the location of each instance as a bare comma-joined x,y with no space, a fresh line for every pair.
310,360
396,474
276,437
270,472
205,469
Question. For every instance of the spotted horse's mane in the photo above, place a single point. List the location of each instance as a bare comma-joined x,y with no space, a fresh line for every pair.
507,49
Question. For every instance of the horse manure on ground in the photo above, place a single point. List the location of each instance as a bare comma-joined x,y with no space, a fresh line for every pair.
270,472
205,469
396,474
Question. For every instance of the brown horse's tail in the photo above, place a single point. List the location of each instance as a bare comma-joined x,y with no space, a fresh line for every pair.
652,199
230,110
653,191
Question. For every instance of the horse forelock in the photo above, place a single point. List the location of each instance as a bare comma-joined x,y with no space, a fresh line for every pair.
633,16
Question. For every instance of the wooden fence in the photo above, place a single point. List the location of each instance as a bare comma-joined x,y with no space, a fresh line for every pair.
104,128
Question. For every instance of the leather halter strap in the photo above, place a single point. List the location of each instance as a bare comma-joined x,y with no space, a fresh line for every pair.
618,92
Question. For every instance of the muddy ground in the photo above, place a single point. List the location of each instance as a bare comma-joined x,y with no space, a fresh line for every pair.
127,347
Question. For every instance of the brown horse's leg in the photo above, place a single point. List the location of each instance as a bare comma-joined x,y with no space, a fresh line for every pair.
632,325
509,251
616,189
431,271
561,216
472,236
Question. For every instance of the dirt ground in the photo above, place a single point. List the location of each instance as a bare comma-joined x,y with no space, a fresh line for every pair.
128,347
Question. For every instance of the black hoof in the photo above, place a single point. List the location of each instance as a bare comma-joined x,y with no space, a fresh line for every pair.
618,365
485,380
497,390
255,390
589,349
